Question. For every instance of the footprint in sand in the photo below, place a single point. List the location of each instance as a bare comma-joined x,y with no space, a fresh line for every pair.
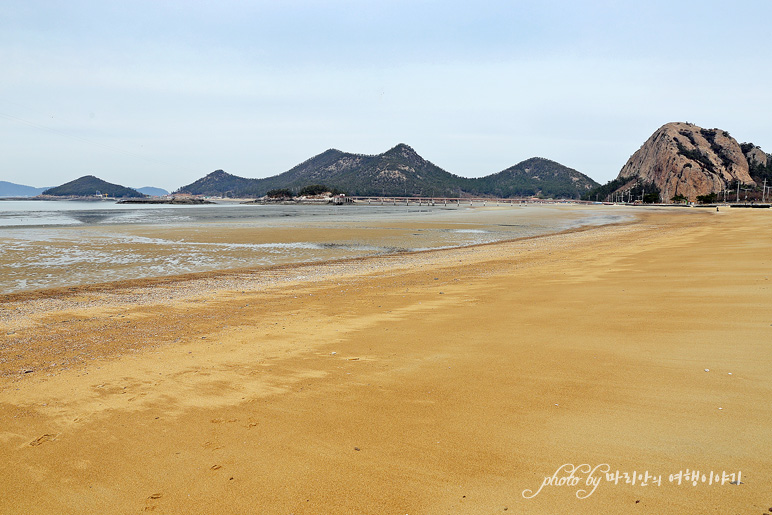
43,439
150,505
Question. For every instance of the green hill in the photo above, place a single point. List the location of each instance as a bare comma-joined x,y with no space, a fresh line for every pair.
535,176
88,186
400,172
218,184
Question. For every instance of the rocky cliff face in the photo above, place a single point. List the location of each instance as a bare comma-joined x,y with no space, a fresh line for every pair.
681,158
755,156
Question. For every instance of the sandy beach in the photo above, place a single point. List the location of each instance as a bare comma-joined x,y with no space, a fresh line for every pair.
447,381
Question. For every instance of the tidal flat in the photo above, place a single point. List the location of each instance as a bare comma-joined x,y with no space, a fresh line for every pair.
65,243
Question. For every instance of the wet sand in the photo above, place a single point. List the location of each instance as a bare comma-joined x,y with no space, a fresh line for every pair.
101,245
447,381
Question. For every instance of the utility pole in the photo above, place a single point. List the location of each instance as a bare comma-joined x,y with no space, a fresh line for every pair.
738,191
764,191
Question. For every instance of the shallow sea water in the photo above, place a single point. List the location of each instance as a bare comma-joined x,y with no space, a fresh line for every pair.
45,244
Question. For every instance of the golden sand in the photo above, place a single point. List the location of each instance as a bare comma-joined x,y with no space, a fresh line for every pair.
441,382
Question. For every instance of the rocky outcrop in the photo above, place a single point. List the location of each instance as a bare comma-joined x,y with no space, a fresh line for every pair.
755,156
684,159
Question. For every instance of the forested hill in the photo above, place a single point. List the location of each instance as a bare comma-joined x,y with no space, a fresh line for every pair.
89,185
398,172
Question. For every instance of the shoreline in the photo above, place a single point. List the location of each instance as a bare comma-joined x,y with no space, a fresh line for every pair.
435,382
165,280
105,249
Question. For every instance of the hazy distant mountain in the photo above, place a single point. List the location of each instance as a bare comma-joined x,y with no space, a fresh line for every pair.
9,189
89,185
397,172
153,192
536,176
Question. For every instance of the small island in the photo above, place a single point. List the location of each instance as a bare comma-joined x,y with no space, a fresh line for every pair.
92,187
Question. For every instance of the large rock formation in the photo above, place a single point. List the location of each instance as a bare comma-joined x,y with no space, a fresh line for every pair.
683,159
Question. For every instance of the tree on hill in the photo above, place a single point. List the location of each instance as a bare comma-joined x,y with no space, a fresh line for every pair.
621,189
710,198
318,189
282,193
678,199
604,192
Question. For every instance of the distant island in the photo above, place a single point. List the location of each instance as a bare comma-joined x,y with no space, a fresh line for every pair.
400,172
9,189
90,186
152,191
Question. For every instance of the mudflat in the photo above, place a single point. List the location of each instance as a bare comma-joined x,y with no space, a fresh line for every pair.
449,381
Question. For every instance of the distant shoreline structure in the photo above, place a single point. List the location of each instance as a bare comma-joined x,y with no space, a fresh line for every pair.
185,201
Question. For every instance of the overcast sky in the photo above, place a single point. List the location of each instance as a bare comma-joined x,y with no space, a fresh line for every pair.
161,93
